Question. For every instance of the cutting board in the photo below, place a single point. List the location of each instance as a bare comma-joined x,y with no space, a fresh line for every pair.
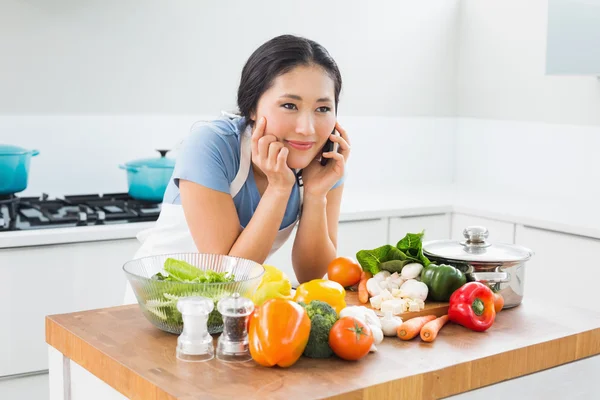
431,308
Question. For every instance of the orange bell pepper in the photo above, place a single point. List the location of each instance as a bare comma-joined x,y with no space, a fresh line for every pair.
278,333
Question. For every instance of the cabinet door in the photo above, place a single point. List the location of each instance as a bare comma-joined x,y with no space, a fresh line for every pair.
500,231
361,235
352,237
43,280
436,227
564,266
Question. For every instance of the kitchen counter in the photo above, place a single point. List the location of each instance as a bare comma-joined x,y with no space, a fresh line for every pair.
569,215
115,352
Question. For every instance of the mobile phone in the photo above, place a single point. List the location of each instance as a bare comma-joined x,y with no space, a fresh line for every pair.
329,146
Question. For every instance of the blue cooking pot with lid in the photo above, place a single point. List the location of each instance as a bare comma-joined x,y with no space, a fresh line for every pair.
14,168
148,177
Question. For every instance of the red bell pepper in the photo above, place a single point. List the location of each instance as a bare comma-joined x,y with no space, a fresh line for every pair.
472,306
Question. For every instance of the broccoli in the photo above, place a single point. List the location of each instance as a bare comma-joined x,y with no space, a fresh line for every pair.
322,317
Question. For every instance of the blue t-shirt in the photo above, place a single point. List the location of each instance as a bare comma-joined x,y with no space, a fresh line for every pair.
210,156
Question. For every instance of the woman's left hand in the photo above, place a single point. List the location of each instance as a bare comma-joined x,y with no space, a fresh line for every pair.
319,179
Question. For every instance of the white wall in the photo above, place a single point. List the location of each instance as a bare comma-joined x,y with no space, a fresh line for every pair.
81,154
555,160
502,65
185,57
520,130
97,83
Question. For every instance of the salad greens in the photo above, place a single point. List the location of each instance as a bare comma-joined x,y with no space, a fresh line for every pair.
181,271
162,299
408,249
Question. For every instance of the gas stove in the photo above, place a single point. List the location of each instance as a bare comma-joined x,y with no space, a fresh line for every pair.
29,213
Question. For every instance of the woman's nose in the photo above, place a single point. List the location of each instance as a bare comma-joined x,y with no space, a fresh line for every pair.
305,125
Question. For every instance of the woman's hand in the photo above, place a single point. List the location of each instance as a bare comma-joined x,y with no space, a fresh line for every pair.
270,156
319,179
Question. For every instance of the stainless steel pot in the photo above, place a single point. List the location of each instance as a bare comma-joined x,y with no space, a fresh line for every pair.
500,265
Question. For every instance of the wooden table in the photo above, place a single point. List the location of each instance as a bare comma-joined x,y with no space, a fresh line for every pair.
121,348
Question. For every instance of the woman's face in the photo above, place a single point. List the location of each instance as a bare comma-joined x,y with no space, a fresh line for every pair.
300,112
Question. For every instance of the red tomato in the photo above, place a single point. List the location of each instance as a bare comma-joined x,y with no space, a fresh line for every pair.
350,339
345,271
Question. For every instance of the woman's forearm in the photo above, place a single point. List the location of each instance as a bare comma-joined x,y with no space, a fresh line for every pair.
313,249
257,238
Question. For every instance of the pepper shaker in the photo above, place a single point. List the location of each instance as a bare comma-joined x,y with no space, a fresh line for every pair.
233,342
195,343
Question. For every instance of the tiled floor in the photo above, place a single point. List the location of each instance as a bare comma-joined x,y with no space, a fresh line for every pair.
33,387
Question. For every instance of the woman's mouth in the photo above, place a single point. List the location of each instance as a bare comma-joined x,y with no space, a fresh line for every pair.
300,145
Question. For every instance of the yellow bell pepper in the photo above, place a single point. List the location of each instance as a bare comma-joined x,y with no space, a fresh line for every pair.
274,284
325,290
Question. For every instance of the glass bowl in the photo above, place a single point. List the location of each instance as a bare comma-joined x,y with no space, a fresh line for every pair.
158,298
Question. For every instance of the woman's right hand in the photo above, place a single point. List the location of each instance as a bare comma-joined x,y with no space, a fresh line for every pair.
270,156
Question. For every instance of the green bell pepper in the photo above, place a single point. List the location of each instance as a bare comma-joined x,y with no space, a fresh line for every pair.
442,280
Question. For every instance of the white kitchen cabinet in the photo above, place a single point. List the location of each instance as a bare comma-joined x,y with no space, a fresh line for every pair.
564,266
352,237
361,235
499,231
42,280
436,227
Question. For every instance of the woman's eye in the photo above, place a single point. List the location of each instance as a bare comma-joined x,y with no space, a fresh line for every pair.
289,106
323,109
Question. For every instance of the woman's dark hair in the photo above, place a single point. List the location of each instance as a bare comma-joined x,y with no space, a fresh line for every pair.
276,57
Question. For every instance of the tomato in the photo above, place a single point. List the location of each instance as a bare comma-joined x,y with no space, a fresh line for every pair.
498,302
350,339
345,271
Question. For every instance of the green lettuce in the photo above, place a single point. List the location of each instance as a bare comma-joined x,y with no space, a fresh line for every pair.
409,248
163,304
181,271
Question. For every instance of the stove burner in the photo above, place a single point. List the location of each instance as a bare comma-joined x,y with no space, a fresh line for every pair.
21,213
8,218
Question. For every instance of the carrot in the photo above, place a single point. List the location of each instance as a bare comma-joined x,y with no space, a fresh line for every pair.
363,295
413,326
431,329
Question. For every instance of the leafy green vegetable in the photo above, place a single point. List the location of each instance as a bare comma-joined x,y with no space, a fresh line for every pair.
370,260
165,308
412,246
164,304
181,271
410,241
394,265
409,249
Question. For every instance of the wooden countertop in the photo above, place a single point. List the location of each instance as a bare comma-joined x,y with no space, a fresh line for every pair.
123,349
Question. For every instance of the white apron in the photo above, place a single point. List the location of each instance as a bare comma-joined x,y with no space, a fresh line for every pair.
171,233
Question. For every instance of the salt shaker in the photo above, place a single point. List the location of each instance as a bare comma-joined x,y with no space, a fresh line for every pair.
195,343
233,342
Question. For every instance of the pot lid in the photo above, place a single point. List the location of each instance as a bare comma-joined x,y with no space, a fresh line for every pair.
475,248
155,162
10,150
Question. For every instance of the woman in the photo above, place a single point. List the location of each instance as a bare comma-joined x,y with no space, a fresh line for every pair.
241,183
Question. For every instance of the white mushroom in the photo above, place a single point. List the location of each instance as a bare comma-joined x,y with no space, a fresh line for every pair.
414,289
411,271
373,287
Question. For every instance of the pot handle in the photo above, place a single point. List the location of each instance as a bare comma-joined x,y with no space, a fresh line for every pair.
34,153
492,277
129,169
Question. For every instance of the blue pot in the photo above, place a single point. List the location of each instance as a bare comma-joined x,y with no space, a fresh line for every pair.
14,168
148,178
